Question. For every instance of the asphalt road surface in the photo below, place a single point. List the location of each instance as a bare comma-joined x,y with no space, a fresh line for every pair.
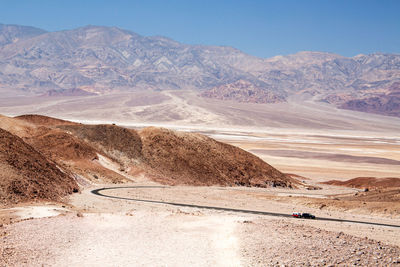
101,192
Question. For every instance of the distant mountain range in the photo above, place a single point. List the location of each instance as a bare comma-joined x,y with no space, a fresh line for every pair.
102,60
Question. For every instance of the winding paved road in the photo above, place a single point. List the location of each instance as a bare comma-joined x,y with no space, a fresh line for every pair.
100,192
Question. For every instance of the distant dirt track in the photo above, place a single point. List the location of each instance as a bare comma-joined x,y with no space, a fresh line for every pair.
98,193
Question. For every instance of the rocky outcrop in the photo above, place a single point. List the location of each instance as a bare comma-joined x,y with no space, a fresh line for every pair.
25,174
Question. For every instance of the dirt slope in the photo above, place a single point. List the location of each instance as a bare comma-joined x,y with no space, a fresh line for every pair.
171,157
188,158
44,120
122,144
20,128
72,154
58,144
25,174
367,182
166,156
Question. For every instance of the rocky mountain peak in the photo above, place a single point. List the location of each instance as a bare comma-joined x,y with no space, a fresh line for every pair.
12,33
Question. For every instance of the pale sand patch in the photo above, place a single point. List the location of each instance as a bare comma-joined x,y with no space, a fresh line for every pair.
224,240
109,164
143,238
35,212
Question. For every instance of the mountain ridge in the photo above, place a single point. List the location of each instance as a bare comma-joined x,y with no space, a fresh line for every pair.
106,60
10,33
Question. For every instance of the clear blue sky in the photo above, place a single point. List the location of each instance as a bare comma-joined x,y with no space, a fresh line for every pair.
257,27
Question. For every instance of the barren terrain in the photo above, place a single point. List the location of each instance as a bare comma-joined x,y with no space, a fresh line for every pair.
324,142
133,224
95,230
186,109
169,154
92,61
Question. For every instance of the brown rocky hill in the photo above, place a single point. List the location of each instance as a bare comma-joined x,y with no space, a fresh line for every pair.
40,155
172,157
189,158
122,144
44,120
367,182
25,174
72,154
20,128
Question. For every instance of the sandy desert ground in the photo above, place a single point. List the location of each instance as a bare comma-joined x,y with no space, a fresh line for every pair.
323,144
324,156
93,231
185,109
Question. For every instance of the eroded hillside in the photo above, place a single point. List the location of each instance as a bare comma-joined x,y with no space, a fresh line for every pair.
46,157
25,174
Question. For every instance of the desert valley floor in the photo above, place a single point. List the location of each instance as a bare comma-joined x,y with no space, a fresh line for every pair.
133,225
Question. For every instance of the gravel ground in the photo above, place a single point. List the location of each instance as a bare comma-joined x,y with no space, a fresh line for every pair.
173,238
270,242
97,231
183,237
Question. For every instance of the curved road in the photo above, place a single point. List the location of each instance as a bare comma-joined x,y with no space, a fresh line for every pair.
99,191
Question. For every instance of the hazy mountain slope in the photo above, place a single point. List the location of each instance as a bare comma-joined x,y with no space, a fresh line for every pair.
323,73
13,33
244,91
386,102
101,60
